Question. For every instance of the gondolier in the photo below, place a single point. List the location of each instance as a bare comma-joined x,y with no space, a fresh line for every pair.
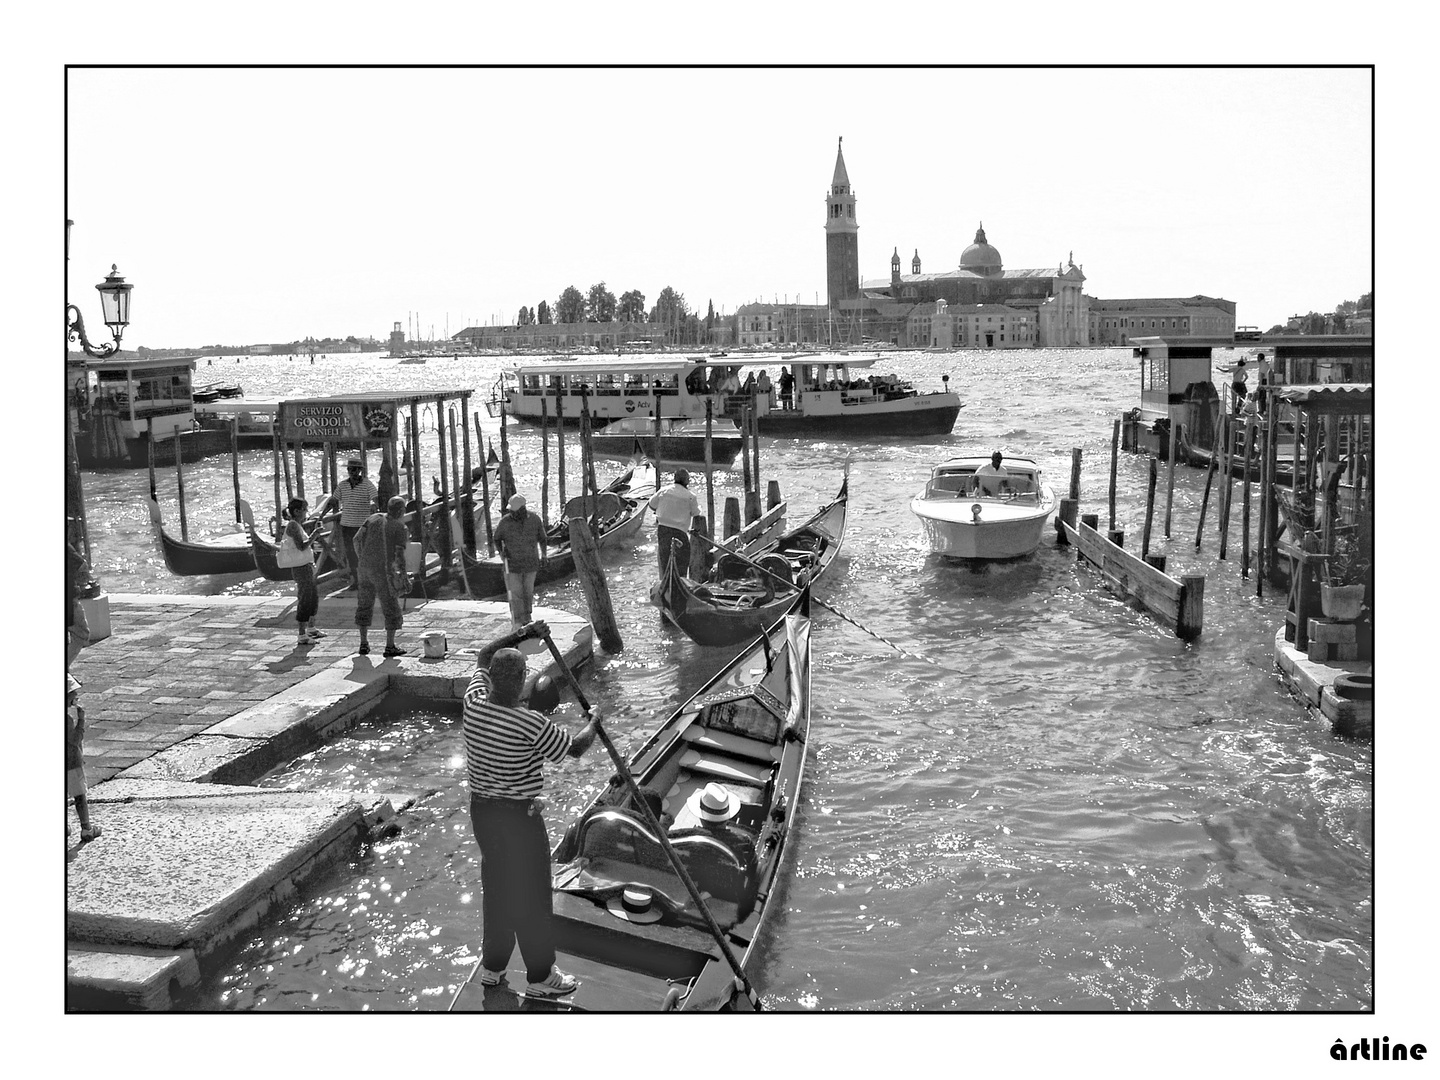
355,497
676,509
505,748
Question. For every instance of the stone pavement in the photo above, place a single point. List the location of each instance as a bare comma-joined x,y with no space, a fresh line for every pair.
174,666
187,702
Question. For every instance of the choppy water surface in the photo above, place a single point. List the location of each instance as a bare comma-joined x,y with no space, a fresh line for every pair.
1050,803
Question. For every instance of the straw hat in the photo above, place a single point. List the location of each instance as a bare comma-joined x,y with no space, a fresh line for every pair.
714,802
635,905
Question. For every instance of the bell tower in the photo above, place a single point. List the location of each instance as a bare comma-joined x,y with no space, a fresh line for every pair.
842,241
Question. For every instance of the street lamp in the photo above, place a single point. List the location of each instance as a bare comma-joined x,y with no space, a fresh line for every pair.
114,305
115,309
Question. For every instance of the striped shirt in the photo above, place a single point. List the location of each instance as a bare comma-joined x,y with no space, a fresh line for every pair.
505,747
357,501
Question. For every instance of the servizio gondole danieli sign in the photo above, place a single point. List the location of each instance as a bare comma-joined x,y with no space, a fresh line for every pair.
349,420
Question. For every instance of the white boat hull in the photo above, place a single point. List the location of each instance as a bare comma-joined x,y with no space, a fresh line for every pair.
1003,529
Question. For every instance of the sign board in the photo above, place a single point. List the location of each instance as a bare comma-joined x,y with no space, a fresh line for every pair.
321,421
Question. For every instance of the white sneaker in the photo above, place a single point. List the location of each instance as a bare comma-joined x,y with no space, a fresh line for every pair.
315,635
556,984
491,978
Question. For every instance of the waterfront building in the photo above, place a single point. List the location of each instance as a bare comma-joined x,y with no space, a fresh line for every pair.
1116,322
564,337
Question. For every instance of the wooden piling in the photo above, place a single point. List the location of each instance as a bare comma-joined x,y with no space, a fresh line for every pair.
559,451
709,459
1205,500
1075,453
745,463
467,523
544,460
732,516
1149,508
485,494
333,465
1245,505
1227,467
1267,478
1114,465
505,476
289,487
1116,537
299,469
235,461
275,448
457,507
655,389
772,495
440,537
754,415
592,581
1192,606
1066,515
150,457
1170,474
180,486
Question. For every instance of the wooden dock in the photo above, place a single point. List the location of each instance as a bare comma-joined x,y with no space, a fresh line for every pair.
1177,604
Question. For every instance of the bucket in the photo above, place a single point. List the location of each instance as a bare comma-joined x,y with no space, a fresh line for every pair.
412,556
435,645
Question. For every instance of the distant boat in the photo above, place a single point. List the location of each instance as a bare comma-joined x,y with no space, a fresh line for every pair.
974,517
215,391
680,440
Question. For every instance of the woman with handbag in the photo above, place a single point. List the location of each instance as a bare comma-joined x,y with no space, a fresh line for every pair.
294,552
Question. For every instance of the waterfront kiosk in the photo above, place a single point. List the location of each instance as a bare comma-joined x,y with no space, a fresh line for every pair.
117,402
1176,388
381,418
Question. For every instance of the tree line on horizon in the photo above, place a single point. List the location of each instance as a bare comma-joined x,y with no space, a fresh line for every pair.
682,325
1315,322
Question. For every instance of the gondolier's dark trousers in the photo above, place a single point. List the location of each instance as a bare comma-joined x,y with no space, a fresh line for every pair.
514,884
666,538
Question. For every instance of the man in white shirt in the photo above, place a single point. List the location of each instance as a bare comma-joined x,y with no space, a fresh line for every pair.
991,477
676,509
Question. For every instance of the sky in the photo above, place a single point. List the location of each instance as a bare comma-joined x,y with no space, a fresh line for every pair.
269,204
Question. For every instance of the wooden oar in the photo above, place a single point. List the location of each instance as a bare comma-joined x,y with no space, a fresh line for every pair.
743,983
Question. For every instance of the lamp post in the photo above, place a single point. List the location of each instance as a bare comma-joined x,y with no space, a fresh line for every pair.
115,310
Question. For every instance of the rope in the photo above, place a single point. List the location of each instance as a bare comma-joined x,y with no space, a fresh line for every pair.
872,633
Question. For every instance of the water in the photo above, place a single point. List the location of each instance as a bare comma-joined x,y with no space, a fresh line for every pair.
1050,803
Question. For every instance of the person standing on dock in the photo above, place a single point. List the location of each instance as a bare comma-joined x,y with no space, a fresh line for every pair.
380,546
355,497
762,389
506,746
787,388
521,541
1237,385
676,509
295,553
75,786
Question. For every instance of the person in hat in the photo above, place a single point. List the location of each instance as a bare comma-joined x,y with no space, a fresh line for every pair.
356,498
380,546
992,478
676,509
714,806
521,541
506,747
75,785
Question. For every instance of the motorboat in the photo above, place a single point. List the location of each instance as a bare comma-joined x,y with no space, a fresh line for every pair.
970,516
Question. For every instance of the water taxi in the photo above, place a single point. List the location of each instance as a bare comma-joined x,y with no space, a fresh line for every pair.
970,516
829,396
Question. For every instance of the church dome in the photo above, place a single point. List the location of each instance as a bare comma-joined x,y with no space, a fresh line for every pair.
980,257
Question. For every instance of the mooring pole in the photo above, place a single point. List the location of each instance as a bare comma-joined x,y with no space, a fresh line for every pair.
235,461
1149,508
180,486
1114,465
709,460
1245,506
1170,474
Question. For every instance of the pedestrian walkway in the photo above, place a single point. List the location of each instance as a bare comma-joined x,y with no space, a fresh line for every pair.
187,702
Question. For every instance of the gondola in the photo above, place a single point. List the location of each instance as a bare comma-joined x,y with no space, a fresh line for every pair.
188,558
735,598
265,552
626,925
619,513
